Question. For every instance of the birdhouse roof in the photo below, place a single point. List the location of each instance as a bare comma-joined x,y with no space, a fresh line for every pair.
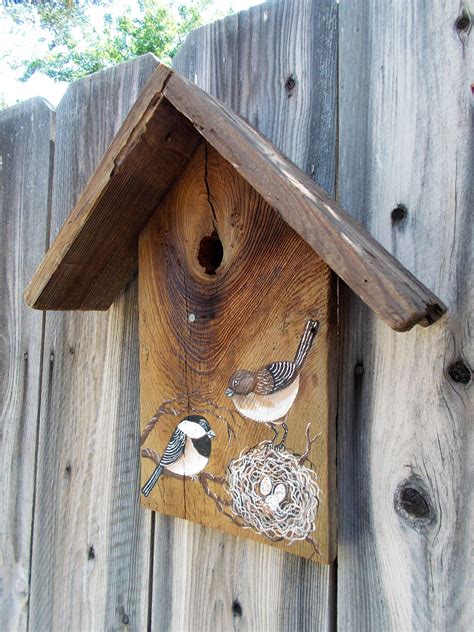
95,253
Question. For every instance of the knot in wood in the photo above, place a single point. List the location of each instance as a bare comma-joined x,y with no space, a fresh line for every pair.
236,608
460,373
210,253
413,503
463,22
399,214
290,84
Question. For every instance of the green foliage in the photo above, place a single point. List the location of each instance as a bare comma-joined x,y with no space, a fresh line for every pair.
82,36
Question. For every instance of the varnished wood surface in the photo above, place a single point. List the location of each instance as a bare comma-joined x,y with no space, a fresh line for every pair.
26,133
248,312
405,458
90,536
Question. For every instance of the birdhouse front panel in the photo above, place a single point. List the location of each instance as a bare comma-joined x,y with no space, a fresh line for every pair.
237,362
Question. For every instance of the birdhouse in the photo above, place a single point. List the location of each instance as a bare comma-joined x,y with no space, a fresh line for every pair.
238,254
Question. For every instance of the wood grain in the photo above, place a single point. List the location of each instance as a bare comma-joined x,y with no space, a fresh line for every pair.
91,539
405,426
95,254
25,150
236,583
249,311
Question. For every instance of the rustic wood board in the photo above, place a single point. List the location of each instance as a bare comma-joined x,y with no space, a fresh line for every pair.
25,151
244,584
91,539
199,324
405,426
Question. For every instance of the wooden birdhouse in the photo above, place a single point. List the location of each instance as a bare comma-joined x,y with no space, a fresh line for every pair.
237,254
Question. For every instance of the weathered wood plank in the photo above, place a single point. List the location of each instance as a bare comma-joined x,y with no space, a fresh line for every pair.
405,449
25,151
234,583
91,539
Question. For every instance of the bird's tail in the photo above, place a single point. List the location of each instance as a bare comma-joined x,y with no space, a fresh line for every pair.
306,342
146,489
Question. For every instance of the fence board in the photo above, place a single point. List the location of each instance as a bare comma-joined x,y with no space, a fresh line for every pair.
405,439
275,65
25,151
91,539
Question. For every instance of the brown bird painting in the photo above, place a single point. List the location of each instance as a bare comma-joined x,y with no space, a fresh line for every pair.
267,394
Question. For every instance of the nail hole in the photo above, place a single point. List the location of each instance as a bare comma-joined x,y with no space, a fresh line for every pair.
191,318
210,253
463,22
236,608
460,373
399,214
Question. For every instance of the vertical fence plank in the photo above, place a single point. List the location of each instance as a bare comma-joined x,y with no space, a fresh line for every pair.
91,539
25,152
405,437
276,65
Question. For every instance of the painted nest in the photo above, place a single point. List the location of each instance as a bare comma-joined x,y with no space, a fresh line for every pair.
273,493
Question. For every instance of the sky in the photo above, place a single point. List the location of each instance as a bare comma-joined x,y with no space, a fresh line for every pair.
13,45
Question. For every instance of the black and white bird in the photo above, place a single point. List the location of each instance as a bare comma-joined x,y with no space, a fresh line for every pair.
187,452
266,395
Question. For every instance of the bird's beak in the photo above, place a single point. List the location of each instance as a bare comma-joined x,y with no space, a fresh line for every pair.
211,434
229,392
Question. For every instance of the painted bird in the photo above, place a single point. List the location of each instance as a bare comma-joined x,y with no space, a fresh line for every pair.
266,395
187,452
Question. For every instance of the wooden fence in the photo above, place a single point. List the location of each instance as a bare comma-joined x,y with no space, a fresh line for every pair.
374,100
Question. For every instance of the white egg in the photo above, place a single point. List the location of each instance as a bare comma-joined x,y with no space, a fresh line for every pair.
265,486
273,503
280,492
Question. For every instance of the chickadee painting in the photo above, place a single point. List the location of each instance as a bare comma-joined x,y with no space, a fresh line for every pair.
187,452
266,395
